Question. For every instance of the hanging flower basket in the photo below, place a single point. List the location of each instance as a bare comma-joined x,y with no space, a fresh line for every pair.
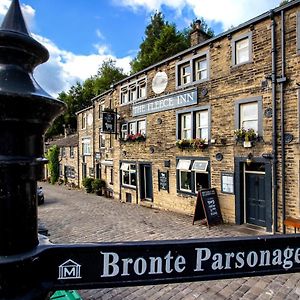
131,138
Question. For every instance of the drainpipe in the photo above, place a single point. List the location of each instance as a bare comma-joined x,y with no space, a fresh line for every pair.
274,130
282,80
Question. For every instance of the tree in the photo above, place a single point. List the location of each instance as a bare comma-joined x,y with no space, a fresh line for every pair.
162,40
79,96
53,164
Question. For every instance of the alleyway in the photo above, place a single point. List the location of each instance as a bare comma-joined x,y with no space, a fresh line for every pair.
74,216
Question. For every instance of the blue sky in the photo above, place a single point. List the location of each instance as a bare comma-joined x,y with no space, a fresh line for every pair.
81,34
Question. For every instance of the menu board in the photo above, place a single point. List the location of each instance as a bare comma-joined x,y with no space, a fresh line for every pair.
210,208
163,181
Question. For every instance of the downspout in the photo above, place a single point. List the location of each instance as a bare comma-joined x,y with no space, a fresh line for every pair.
93,152
282,80
274,129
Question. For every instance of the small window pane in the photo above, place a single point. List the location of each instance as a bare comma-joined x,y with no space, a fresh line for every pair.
132,128
200,165
186,130
183,164
141,127
125,167
249,116
242,51
201,181
126,177
185,180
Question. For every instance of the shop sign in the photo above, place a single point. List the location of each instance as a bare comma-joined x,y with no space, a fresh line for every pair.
165,103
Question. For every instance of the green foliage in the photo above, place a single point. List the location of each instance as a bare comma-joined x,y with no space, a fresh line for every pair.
98,185
162,40
79,96
53,164
88,184
283,2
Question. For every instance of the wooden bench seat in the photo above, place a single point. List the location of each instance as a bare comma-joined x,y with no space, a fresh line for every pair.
292,222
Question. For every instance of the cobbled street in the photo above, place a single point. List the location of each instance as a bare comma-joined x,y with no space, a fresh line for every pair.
72,216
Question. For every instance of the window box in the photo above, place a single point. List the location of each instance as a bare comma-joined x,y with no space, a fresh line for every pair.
247,137
138,137
192,144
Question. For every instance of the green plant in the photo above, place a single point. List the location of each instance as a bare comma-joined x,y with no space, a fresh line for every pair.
53,163
184,144
199,143
98,185
88,184
241,135
250,135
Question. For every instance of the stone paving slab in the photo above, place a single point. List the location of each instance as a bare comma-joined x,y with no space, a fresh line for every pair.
72,216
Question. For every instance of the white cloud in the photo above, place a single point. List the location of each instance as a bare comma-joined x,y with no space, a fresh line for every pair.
227,12
65,68
100,34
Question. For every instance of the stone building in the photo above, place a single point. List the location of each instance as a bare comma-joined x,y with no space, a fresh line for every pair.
68,159
223,114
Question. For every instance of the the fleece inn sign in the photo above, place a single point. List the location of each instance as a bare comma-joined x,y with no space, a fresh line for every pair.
134,263
165,103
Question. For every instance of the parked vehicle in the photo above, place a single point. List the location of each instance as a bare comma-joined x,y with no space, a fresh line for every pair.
40,195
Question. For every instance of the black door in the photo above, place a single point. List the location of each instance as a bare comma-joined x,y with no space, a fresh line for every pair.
146,182
255,199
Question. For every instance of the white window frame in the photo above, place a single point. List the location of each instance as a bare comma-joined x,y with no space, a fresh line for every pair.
126,167
124,95
142,89
184,165
185,78
253,118
185,129
202,127
71,151
86,146
199,70
101,140
83,121
235,51
141,129
124,131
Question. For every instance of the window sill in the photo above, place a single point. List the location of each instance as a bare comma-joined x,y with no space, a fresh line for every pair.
185,193
242,64
131,187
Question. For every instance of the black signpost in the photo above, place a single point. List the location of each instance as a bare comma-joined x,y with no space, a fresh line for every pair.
31,267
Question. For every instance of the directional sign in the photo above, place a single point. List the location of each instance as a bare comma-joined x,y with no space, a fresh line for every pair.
142,263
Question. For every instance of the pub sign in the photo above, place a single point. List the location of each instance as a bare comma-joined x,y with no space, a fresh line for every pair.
108,122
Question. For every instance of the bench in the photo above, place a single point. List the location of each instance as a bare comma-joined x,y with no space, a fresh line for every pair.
292,222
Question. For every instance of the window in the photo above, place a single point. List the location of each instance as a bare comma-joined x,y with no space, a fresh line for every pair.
195,69
241,49
71,151
60,170
200,69
91,172
133,91
63,151
192,175
186,129
102,140
194,124
69,172
128,174
111,179
83,121
142,89
248,114
185,74
132,128
202,125
141,127
101,109
124,95
86,146
124,131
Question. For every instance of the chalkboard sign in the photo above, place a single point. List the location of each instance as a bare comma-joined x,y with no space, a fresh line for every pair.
163,181
210,208
108,122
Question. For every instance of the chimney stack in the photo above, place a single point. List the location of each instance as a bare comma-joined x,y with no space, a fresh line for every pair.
197,34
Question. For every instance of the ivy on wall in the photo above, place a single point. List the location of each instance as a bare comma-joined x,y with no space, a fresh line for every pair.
53,164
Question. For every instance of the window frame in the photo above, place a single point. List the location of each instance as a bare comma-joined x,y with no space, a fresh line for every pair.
193,190
122,171
240,102
83,146
101,140
131,91
247,35
71,151
191,62
83,121
135,123
193,112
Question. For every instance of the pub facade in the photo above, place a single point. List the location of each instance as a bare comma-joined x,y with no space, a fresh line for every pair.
222,114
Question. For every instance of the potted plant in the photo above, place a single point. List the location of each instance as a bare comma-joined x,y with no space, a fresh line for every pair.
98,185
87,183
183,144
245,136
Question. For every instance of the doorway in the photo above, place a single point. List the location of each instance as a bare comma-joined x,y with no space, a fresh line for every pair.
255,194
146,187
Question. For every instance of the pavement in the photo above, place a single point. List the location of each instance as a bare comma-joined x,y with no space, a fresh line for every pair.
72,216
